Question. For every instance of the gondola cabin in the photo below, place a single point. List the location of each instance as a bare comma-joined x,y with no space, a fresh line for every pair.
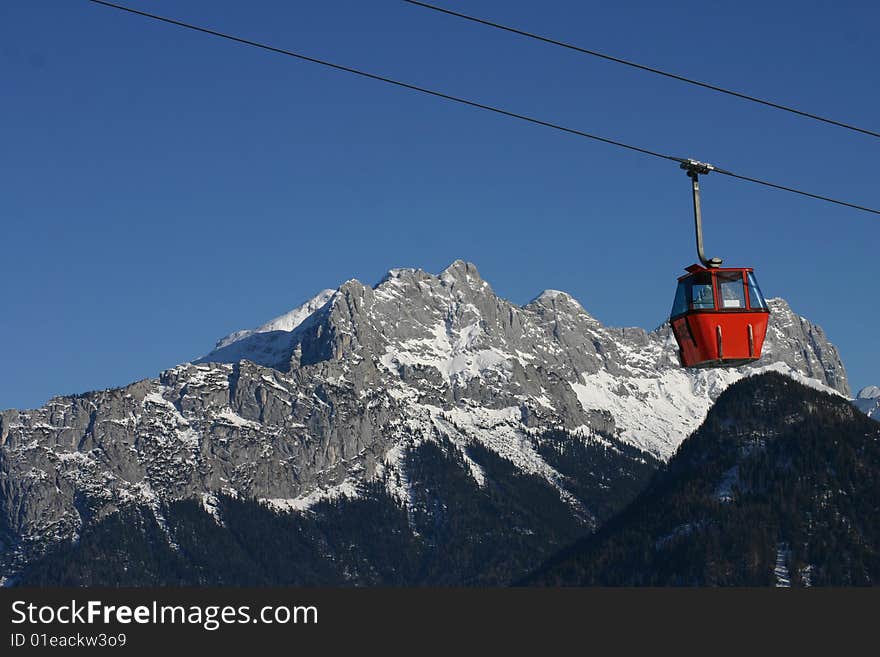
719,317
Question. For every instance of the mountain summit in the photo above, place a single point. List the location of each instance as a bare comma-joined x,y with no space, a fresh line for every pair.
449,338
339,393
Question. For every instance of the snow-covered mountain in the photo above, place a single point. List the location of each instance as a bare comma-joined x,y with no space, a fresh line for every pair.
449,331
868,401
338,392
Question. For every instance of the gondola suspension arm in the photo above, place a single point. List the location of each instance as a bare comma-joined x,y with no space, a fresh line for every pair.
693,168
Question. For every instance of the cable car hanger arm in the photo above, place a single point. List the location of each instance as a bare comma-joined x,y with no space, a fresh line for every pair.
694,168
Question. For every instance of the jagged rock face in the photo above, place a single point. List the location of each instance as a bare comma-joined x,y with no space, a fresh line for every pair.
804,346
336,391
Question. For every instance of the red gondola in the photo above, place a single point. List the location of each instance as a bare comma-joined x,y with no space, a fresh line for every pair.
719,316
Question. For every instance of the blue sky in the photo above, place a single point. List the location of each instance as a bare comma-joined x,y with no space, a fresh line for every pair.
162,188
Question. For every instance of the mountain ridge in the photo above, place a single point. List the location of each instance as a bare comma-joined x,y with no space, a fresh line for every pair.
360,381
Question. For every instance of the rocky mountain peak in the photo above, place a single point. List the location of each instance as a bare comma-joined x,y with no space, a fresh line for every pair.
550,302
408,275
465,274
286,322
869,392
868,401
804,346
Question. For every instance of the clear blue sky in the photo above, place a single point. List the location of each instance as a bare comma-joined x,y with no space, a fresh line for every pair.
160,188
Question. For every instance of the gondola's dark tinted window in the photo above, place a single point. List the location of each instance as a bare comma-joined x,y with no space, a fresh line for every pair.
756,299
680,305
731,290
701,296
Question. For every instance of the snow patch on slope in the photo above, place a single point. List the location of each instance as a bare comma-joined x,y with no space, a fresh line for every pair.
657,413
347,489
501,431
231,418
211,505
780,570
452,353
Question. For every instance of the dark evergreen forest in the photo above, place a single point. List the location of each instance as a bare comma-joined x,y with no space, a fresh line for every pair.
780,483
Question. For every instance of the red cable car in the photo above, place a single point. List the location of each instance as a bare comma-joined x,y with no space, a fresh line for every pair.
719,316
